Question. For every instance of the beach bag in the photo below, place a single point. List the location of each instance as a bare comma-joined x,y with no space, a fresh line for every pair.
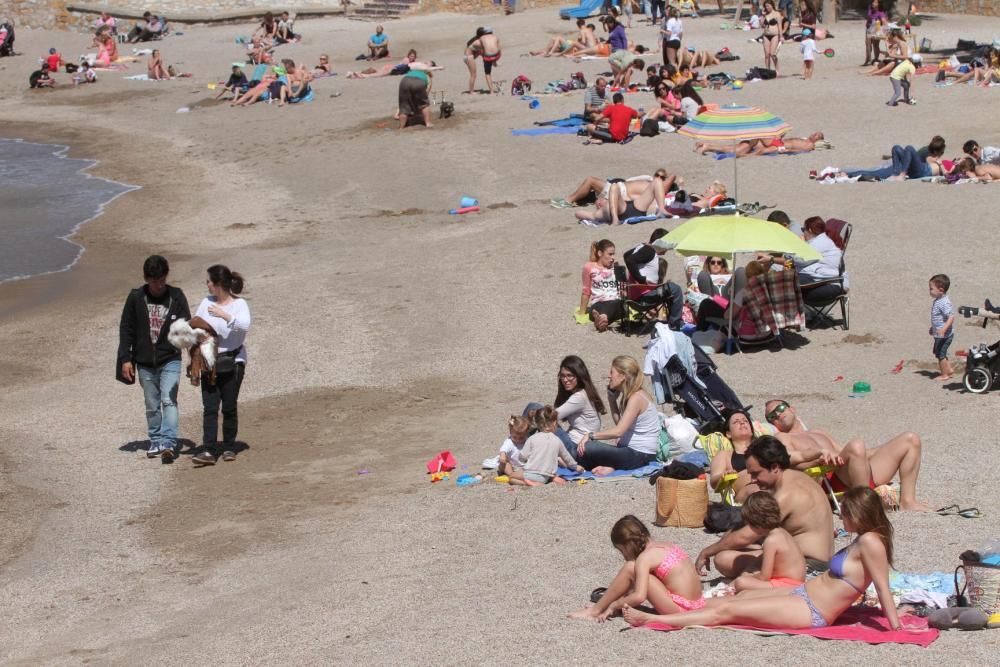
982,586
721,518
649,128
681,503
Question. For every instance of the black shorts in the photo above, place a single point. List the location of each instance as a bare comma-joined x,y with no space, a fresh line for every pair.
672,44
613,310
631,211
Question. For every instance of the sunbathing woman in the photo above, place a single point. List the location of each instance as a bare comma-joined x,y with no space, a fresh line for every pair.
388,69
713,195
984,172
740,431
621,206
691,59
556,46
254,94
602,212
157,70
820,601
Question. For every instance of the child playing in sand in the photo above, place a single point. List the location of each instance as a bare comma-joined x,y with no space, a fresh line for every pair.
86,74
511,463
901,78
658,572
40,78
808,48
782,562
543,451
237,83
942,319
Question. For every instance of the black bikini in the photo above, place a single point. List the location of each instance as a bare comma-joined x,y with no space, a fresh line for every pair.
739,462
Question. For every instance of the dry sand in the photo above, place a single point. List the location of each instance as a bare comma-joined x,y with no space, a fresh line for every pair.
386,330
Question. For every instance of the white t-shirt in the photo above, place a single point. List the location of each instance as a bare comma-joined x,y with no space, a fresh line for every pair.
808,48
675,27
231,335
581,416
990,155
513,453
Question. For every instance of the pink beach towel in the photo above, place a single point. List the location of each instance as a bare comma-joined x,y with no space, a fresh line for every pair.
860,625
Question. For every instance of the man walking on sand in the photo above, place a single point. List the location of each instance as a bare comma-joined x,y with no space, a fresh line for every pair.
143,350
805,513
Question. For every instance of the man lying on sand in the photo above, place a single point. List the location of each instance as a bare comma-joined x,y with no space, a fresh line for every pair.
855,465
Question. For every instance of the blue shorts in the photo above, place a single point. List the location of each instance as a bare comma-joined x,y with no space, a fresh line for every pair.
941,346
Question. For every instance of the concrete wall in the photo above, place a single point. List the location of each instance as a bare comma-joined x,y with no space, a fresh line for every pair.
982,7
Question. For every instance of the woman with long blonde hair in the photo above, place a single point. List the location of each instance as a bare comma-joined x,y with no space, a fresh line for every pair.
637,424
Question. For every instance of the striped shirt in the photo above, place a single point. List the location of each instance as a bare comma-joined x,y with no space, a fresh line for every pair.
941,310
592,98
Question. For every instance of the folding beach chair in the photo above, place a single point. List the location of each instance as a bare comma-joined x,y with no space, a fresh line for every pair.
774,302
821,297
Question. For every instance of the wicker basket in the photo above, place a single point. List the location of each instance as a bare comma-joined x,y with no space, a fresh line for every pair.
982,586
681,503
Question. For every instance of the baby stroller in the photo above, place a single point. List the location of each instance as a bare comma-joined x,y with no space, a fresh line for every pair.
703,396
6,40
982,362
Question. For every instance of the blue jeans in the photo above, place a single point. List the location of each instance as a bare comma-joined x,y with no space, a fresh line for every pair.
905,160
560,432
598,453
159,389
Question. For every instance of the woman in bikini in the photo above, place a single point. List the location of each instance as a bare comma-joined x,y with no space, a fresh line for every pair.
772,35
623,207
740,431
820,601
896,50
473,49
402,67
155,67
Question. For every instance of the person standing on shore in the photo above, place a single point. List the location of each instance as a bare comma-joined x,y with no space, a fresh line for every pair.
229,316
143,350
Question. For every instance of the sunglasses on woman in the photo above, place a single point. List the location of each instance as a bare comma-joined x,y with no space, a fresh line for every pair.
715,262
778,410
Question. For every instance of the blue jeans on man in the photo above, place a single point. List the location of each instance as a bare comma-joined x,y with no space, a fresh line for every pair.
159,389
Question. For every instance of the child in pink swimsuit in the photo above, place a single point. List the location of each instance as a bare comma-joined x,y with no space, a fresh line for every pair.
658,572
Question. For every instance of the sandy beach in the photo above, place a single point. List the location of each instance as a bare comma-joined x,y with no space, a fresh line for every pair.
386,330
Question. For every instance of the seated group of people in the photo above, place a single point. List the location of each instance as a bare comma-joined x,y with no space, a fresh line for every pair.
788,535
286,83
714,294
677,101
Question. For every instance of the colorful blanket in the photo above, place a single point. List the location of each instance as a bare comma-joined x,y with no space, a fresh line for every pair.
858,624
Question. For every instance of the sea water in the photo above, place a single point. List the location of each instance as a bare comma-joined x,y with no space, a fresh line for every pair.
44,198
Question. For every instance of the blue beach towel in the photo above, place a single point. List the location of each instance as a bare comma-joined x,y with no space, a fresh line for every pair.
538,131
725,156
616,476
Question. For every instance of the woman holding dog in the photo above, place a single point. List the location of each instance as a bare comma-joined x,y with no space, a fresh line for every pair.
229,316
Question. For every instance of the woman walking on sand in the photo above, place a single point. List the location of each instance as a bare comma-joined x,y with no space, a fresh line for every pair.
229,316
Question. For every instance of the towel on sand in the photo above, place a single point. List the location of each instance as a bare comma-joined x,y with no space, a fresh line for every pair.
537,131
859,624
616,476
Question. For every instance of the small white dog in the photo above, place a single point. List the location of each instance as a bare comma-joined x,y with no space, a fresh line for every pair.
199,338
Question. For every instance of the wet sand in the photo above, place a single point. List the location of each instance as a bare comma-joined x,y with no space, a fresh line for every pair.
385,331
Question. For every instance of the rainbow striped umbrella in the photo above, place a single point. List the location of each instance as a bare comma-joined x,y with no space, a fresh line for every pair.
734,123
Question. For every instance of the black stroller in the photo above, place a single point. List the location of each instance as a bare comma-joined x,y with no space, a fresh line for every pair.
704,397
7,45
982,362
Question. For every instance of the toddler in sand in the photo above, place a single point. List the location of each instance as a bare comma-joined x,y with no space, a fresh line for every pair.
808,48
543,451
942,319
511,463
658,572
782,562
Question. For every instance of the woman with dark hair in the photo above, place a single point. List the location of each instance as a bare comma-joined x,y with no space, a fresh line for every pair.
875,21
229,317
820,601
268,29
671,33
577,402
814,233
740,431
772,35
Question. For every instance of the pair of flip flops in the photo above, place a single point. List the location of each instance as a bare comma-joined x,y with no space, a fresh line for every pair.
954,510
